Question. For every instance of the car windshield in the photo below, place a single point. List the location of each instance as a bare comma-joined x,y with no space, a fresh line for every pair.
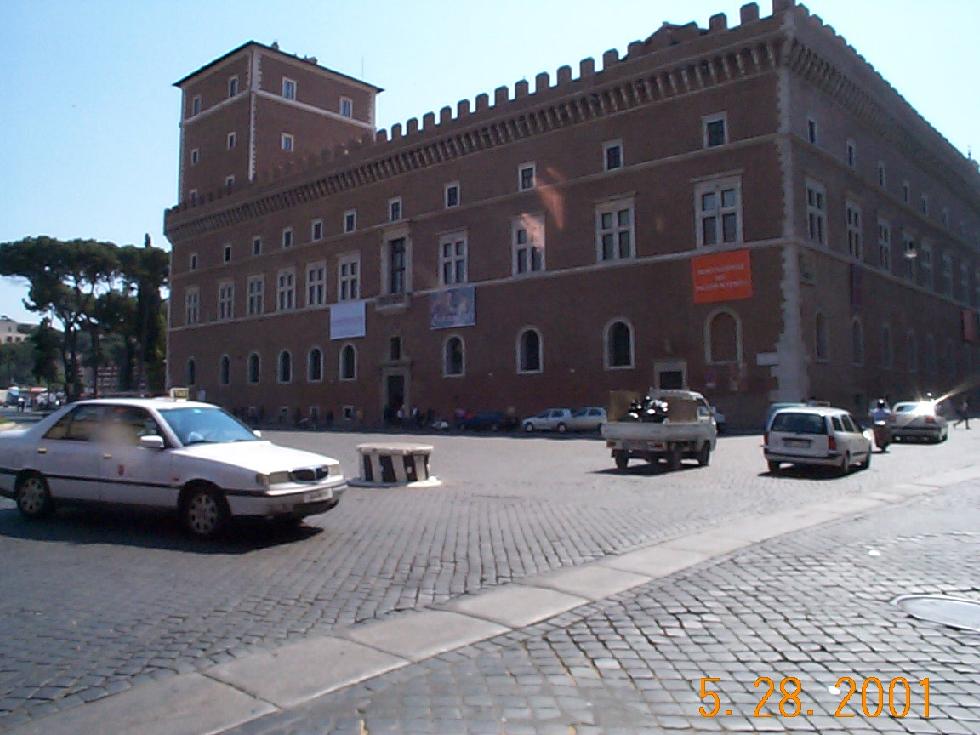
199,425
799,423
922,407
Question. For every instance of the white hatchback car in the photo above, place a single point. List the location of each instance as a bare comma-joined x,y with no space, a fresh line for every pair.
191,457
817,436
551,419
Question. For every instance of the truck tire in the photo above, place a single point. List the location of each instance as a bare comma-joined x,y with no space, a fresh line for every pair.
773,467
674,457
704,454
622,459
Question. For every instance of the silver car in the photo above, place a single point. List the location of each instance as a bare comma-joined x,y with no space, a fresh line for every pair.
918,420
589,418
551,419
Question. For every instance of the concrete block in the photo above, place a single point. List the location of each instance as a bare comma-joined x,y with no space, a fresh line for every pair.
594,581
419,635
516,605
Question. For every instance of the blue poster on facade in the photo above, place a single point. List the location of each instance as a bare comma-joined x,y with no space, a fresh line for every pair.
454,307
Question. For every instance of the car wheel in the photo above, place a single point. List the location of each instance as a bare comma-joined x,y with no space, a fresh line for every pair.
773,467
204,512
704,455
867,461
33,497
674,458
529,427
562,428
622,460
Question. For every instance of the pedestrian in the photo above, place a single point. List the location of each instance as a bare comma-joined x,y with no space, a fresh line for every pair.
964,411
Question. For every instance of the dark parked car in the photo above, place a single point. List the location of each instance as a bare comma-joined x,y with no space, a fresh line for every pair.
487,420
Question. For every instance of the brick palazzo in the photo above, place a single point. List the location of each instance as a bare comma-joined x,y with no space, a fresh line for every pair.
753,212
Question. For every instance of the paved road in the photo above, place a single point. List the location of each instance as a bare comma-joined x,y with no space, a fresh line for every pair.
94,603
815,605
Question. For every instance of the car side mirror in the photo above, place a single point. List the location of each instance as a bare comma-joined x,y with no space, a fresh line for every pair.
258,434
152,441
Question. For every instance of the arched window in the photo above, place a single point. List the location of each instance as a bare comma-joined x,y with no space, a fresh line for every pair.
224,370
314,365
285,367
529,351
887,348
723,338
912,349
348,363
453,363
857,342
619,345
254,368
191,372
822,340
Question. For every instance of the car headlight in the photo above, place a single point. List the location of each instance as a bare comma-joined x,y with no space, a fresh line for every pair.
333,469
274,478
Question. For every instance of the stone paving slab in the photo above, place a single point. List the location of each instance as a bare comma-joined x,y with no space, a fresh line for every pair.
658,561
516,605
422,634
592,581
191,704
299,671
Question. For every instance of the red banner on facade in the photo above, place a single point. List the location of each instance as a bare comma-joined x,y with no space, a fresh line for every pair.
722,277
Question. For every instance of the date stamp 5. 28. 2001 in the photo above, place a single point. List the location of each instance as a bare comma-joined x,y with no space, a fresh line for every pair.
872,697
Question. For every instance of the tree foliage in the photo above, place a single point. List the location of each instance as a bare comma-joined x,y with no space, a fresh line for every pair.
95,288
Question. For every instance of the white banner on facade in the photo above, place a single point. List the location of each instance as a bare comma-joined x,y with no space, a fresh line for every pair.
347,320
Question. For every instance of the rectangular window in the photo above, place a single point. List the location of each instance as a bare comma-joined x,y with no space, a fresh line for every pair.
288,88
906,192
229,181
452,258
882,176
855,239
195,156
884,245
394,209
452,195
231,140
816,212
614,230
226,300
349,278
287,237
350,220
851,154
316,230
192,306
612,155
527,237
719,211
192,195
925,266
811,130
525,176
946,275
256,246
196,105
346,107
397,266
715,130
192,262
227,252
256,295
286,290
924,204
287,142
909,251
232,86
316,284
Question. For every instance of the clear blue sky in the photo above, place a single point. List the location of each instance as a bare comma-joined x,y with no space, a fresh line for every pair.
89,116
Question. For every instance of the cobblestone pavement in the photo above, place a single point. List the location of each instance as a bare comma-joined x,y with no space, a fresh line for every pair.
94,603
815,605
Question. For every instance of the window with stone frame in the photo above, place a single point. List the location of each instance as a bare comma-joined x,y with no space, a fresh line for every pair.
884,245
348,362
816,212
348,277
316,284
529,358
256,295
910,254
254,368
619,345
528,242
285,367
615,230
286,290
454,357
452,259
925,266
855,237
314,365
226,300
718,204
192,305
714,130
946,274
612,155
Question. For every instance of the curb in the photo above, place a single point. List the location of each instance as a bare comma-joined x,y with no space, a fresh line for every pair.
261,683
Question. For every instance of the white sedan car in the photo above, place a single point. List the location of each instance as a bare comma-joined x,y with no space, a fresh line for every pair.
191,457
551,419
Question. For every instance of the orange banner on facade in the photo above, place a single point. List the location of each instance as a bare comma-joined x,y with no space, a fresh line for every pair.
722,277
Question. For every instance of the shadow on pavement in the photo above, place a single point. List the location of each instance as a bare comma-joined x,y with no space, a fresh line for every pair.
647,469
147,529
807,473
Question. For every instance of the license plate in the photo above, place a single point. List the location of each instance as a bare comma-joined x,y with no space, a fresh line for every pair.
316,495
796,442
